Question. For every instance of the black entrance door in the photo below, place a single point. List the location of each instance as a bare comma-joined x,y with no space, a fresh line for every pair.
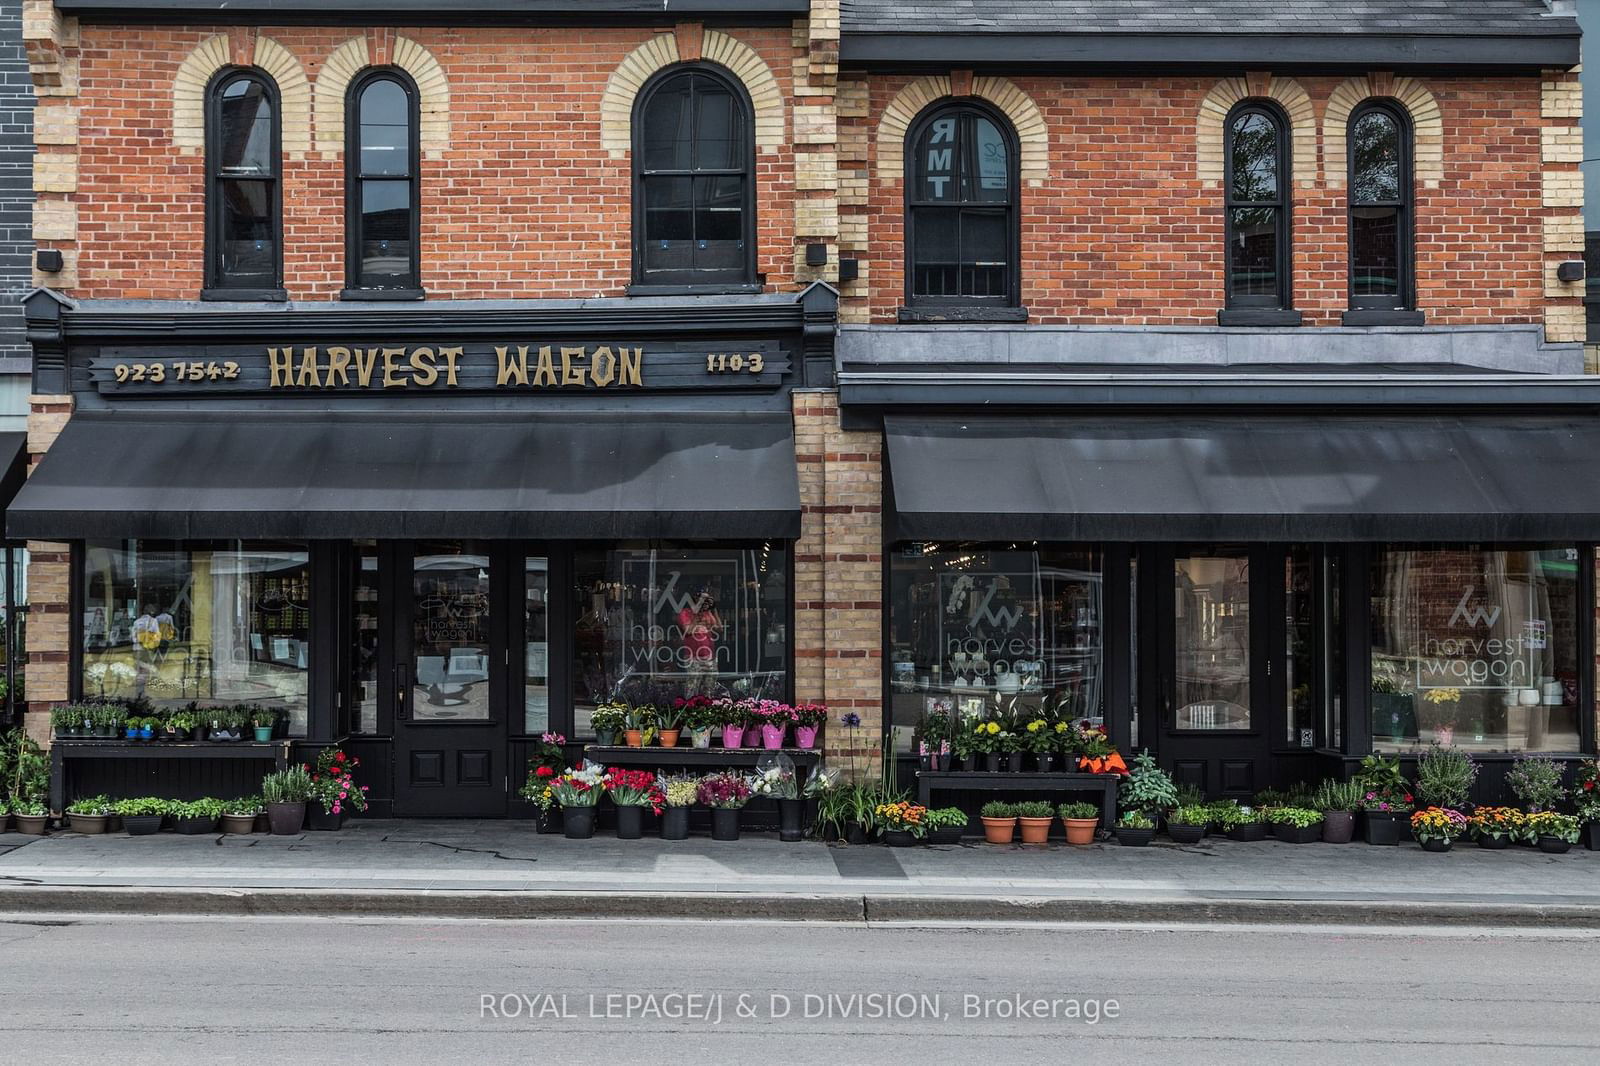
1213,609
449,685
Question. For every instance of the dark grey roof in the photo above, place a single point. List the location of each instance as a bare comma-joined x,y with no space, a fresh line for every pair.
1402,17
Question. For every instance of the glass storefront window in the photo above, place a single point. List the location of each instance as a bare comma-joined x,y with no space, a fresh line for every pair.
536,653
1300,621
450,641
976,629
1212,608
1475,646
206,621
657,622
364,649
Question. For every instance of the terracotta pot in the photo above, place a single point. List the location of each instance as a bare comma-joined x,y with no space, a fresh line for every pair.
634,738
1036,830
999,830
669,738
1081,830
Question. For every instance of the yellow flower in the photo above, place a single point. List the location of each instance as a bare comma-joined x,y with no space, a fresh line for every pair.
980,728
1061,727
1033,727
994,727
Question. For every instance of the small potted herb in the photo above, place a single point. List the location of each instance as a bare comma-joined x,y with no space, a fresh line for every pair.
999,822
262,720
239,815
903,823
1081,820
89,815
1338,801
1187,824
1036,817
1135,829
285,793
1296,825
1243,823
1556,833
679,793
1536,781
1437,828
945,825
196,817
32,817
67,721
726,794
142,816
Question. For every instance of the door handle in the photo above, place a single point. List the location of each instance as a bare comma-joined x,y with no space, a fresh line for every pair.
401,688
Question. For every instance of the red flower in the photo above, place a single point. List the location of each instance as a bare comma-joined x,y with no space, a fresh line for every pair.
1588,786
545,771
338,757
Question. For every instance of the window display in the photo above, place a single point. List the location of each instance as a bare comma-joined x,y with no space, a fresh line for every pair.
206,621
1475,646
979,629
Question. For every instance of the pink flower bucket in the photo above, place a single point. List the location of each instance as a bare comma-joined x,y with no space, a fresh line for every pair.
732,736
805,736
772,735
752,736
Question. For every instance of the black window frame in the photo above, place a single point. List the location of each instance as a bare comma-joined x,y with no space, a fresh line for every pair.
1283,203
410,286
218,285
1000,308
1402,306
743,279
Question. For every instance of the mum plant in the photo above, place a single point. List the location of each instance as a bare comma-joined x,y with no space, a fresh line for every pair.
903,817
609,718
1498,823
726,790
1438,824
1562,827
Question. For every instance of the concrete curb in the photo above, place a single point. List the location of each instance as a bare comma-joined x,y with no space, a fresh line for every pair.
840,907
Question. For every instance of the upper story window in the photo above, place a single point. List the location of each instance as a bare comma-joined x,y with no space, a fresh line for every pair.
1258,207
1380,208
383,216
962,242
693,159
244,208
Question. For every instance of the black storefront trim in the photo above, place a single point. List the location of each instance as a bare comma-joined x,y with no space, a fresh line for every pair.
1368,316
1258,316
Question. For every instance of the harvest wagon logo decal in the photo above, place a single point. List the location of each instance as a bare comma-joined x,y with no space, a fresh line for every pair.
1483,662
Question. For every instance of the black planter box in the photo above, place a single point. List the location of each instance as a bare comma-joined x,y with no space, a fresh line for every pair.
1591,836
138,825
1135,838
1291,834
1186,834
1382,829
948,835
899,838
1251,831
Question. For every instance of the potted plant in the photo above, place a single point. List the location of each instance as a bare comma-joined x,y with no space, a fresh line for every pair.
225,724
1385,799
239,815
1586,798
733,716
1243,823
32,817
1010,746
929,737
669,723
608,721
678,792
1081,820
1135,829
986,742
1436,828
67,721
108,719
1338,801
577,792
945,824
1187,824
1445,775
832,800
262,720
725,793
142,816
773,719
639,726
1496,828
700,717
999,822
862,820
285,794
809,717
1040,740
1296,825
197,817
89,815
180,726
775,779
5,815
964,747
632,791
147,729
1536,781
1555,832
335,795
1035,817
1147,789
903,822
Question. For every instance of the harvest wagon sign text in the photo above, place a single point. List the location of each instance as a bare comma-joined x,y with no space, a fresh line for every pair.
433,368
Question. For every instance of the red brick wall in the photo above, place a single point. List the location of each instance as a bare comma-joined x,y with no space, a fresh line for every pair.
1123,232
526,204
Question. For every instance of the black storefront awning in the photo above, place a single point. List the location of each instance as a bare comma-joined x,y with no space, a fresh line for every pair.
309,476
13,466
1256,478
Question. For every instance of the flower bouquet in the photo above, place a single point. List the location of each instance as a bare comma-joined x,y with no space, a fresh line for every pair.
577,792
678,793
1096,754
725,793
632,791
1586,800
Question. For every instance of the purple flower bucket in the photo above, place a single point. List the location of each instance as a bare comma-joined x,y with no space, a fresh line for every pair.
772,735
732,736
805,736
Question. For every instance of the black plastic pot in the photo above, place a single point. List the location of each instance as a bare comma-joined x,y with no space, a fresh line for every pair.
142,825
855,833
991,763
1046,763
286,818
1591,836
1185,834
1292,834
1491,842
1014,762
947,835
1134,838
725,823
577,823
790,824
324,821
1382,829
675,823
549,821
1436,846
1338,827
195,826
630,822
1554,846
941,762
1249,832
899,838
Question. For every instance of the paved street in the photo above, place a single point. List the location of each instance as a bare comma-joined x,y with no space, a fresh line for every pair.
278,990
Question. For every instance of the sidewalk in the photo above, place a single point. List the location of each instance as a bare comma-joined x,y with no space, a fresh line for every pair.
503,869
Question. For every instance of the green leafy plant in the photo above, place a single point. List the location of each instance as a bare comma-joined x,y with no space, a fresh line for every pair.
609,718
1338,796
946,818
24,768
1147,787
1445,776
1190,795
200,808
244,807
1078,811
1299,817
1438,823
998,809
1550,824
1272,797
1383,787
141,806
1586,791
1135,820
262,717
90,806
1238,816
1221,809
1536,781
1193,814
286,786
1035,809
30,808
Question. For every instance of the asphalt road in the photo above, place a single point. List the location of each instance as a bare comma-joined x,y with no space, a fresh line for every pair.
299,991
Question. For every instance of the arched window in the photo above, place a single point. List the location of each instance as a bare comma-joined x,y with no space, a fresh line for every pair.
383,216
244,210
1380,208
1258,207
693,164
961,209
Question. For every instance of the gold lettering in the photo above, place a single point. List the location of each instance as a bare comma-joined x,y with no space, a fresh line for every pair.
338,365
390,380
282,360
366,360
631,359
512,371
450,357
310,370
603,358
572,365
422,363
545,372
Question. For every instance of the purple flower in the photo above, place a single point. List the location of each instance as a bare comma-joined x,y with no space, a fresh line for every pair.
852,719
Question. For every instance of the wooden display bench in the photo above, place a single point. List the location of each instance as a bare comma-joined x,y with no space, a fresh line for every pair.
930,781
68,750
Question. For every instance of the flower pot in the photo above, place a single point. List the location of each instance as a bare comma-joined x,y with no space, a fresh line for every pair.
1249,832
1134,838
899,838
1436,845
805,736
752,736
630,821
1036,830
772,736
1382,828
548,821
286,818
1494,842
945,835
700,738
1554,846
1591,835
1013,762
669,738
725,823
131,734
142,825
1294,834
941,762
675,823
239,824
263,734
999,830
1046,763
991,763
32,825
634,738
1081,830
1338,827
195,826
146,733
324,821
605,738
791,820
1186,834
89,824
855,833
732,736
577,823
